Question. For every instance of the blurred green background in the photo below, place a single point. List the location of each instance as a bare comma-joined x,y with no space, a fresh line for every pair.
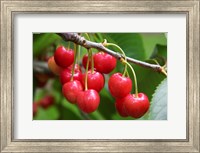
146,47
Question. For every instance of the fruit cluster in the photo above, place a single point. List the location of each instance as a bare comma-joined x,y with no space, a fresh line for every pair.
45,102
83,88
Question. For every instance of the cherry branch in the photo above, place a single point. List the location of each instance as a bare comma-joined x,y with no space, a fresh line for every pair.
74,37
41,67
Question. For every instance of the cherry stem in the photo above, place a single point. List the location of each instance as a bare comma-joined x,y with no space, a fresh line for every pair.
134,76
162,68
90,57
86,71
68,45
74,63
88,37
127,73
122,52
92,60
154,60
164,72
79,54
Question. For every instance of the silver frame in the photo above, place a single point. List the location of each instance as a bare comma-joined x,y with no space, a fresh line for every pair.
10,8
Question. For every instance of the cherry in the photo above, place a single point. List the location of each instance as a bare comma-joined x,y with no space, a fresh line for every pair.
46,101
119,105
53,66
41,79
104,62
88,100
35,108
84,61
119,86
64,57
66,74
71,89
136,106
95,80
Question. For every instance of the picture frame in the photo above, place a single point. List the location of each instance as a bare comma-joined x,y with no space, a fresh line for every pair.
10,8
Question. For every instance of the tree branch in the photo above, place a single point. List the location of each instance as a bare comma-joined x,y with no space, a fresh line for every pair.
41,67
74,37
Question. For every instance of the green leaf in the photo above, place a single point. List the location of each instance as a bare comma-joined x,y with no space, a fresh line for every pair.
96,115
131,43
106,106
39,94
158,108
42,41
70,111
160,54
160,51
150,40
51,113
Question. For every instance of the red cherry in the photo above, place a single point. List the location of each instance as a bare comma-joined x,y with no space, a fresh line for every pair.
95,80
119,104
71,89
104,62
84,61
119,86
65,75
63,57
35,107
53,66
46,101
88,101
41,79
136,106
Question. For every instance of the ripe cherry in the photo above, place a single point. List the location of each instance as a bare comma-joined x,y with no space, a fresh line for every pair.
71,89
63,57
104,62
53,66
41,79
88,100
66,74
119,85
46,101
136,106
84,61
119,105
95,80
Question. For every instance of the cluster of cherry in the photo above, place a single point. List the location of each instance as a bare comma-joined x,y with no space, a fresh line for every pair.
83,88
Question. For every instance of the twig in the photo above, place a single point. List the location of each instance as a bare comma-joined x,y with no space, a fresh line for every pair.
41,67
74,37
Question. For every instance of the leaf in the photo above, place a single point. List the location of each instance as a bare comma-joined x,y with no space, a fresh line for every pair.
42,41
39,94
106,106
51,113
70,111
160,54
131,43
96,115
160,51
158,108
150,40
